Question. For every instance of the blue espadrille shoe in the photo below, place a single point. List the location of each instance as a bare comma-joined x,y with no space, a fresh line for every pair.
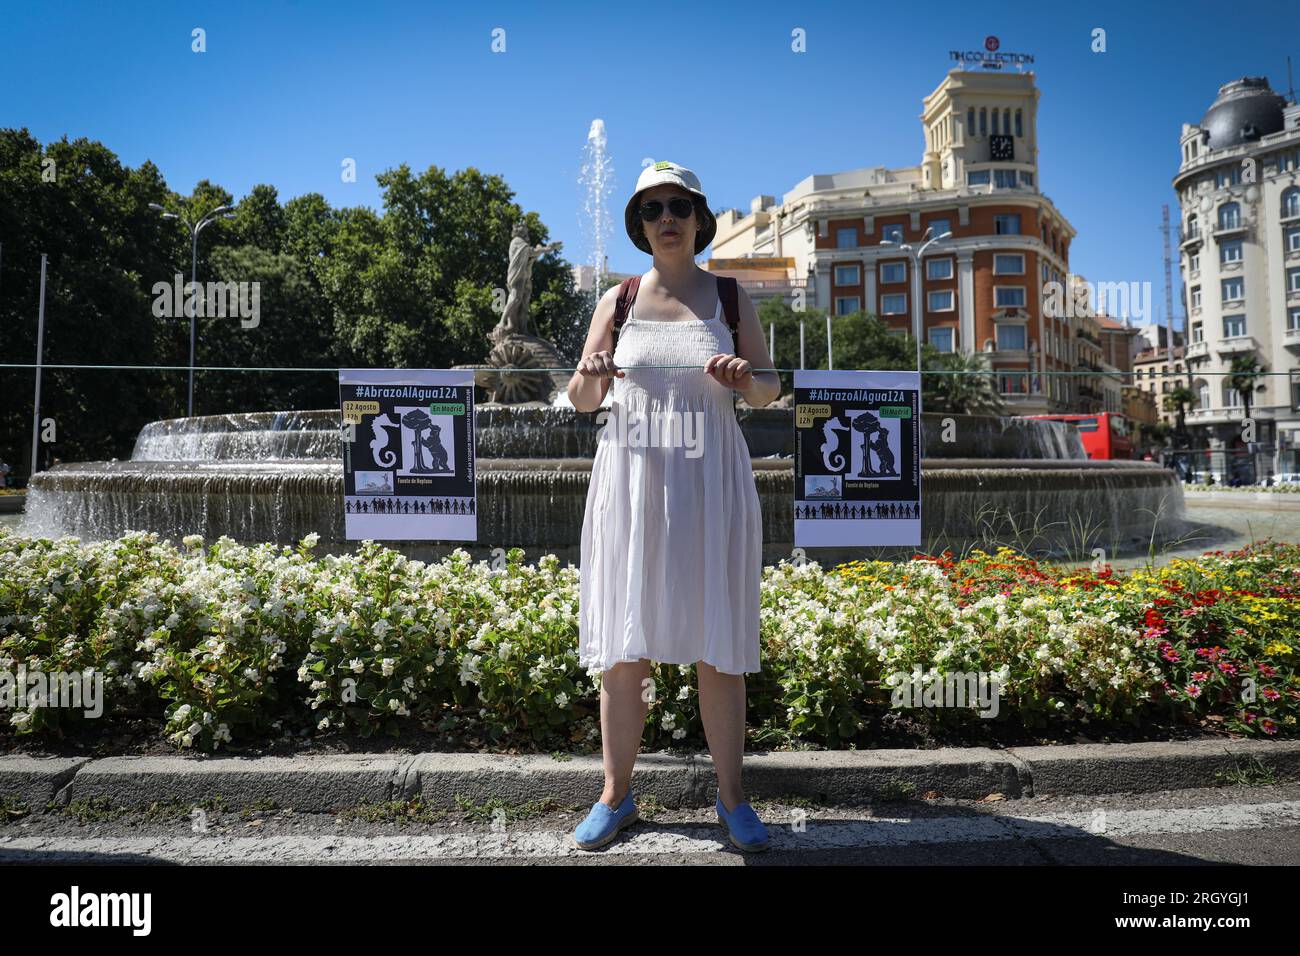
602,823
743,826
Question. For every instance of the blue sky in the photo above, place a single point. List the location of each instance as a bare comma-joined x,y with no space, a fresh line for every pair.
287,89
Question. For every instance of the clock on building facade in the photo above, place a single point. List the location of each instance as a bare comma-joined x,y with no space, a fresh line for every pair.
1001,147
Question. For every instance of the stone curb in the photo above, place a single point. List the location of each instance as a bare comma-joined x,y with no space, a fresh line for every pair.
328,783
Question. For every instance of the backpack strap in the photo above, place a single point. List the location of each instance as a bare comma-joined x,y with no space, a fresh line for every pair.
626,296
727,292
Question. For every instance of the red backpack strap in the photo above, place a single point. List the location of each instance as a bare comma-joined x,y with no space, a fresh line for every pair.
727,292
627,290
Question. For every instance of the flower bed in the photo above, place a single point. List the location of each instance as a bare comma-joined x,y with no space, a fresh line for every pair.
227,642
1284,488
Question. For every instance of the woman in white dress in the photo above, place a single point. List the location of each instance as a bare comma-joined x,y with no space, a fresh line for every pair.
672,537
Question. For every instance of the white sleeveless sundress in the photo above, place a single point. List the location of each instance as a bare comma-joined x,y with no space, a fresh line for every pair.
672,537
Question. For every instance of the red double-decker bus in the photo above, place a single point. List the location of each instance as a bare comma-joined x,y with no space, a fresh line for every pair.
1105,435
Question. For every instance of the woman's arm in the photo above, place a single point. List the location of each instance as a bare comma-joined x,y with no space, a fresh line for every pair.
757,388
587,391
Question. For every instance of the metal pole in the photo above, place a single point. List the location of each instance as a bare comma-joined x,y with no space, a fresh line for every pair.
771,340
40,347
916,302
801,361
830,358
194,280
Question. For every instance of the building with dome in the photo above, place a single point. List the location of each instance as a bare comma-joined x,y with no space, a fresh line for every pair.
1238,190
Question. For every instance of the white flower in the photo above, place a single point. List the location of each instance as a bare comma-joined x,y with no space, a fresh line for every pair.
182,711
311,540
358,666
561,699
323,724
387,666
192,541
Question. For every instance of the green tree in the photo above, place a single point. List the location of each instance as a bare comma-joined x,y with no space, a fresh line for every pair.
966,385
1245,371
1178,400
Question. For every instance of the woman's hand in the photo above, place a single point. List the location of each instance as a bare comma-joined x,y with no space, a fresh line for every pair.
730,370
600,365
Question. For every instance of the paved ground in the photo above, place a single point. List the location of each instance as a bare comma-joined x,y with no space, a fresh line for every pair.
1237,825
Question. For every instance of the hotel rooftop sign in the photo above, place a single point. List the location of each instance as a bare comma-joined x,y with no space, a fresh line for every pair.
989,57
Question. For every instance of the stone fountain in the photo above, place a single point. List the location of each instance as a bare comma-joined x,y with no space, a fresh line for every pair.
277,476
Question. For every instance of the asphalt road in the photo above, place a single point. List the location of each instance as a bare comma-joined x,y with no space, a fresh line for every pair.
1231,825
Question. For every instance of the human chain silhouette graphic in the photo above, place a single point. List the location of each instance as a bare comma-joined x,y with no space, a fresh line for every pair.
408,506
848,510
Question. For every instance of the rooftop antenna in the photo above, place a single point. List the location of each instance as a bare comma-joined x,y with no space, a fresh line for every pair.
1290,86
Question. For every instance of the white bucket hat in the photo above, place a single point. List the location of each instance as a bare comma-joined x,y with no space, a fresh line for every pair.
666,172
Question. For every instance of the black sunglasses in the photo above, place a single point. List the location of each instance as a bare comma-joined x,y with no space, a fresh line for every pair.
679,206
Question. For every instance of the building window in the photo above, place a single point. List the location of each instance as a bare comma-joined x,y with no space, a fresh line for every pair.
1231,397
1194,262
893,304
970,121
1293,280
1007,225
977,177
1229,251
892,233
941,339
938,268
846,237
847,305
1008,263
1196,297
940,301
1293,320
1198,333
1291,203
939,227
1020,131
1010,336
994,123
891,272
1203,396
1293,239
1004,178
1009,296
1234,289
1026,178
1193,227
847,275
1229,215
1234,326
1228,176
984,121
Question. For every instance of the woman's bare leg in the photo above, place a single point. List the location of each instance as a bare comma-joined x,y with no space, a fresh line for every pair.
722,709
622,720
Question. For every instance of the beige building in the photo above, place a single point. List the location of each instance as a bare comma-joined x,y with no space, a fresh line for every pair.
1239,191
853,237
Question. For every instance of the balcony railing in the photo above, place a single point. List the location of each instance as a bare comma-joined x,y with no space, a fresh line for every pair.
1198,350
1235,345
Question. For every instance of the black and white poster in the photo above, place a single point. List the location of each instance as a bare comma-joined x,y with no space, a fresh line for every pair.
857,458
408,454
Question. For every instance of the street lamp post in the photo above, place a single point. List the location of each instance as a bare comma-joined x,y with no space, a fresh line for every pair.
221,212
916,255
